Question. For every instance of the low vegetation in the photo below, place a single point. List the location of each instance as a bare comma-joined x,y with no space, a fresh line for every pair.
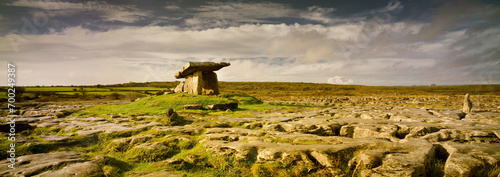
151,149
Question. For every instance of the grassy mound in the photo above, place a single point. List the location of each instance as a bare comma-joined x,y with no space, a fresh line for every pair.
158,105
242,99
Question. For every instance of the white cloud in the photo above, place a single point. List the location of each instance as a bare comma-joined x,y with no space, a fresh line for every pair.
222,14
319,14
123,13
341,80
172,7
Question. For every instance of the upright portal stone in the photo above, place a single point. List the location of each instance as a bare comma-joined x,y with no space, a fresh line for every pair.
200,78
179,88
467,104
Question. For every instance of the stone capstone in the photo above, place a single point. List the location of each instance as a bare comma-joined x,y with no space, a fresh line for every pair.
192,67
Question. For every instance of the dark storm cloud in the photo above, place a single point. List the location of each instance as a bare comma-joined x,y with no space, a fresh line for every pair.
379,42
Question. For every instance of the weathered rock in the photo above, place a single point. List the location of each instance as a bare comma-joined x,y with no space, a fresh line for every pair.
164,174
101,160
317,126
94,119
193,106
201,83
171,113
463,135
151,146
32,119
88,132
410,157
114,128
415,129
223,106
46,124
179,88
25,139
30,165
467,159
85,169
134,139
179,129
467,104
369,130
175,161
414,115
447,113
368,159
55,138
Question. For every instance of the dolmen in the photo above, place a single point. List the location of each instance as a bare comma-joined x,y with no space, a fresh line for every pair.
200,78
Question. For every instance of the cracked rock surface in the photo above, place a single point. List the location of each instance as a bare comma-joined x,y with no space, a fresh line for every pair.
361,137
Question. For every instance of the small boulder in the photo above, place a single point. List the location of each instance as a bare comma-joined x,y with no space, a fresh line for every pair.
223,106
171,113
172,117
193,106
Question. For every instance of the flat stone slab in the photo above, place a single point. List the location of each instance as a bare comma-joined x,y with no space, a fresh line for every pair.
164,173
55,138
112,127
30,165
88,132
94,119
83,169
192,67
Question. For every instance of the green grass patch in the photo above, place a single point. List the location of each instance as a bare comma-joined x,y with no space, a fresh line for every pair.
98,93
140,168
137,88
489,171
156,105
242,99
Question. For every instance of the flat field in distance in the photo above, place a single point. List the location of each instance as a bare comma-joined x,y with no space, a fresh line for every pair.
282,91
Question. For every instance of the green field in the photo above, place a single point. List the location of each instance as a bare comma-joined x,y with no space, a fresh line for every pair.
96,93
260,90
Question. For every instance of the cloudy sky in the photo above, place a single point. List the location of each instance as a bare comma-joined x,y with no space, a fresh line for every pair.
376,42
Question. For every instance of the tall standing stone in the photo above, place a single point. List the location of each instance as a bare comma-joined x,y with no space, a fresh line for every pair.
467,104
210,83
193,83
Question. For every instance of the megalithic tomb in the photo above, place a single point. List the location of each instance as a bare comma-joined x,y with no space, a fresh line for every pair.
200,78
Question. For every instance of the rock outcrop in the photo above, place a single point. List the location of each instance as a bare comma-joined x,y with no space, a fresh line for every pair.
386,138
68,163
200,78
